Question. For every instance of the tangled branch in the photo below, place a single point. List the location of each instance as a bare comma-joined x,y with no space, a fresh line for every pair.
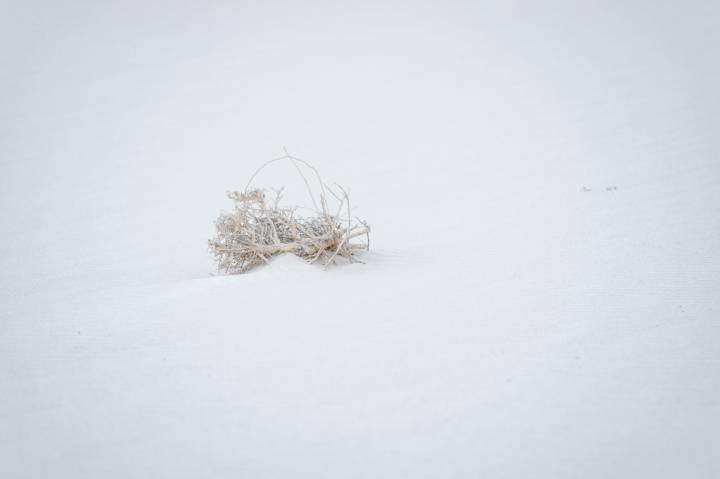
257,229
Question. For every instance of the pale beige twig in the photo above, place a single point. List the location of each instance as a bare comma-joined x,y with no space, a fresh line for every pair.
257,229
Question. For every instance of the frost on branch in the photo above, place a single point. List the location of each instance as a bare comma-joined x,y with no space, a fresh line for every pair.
258,227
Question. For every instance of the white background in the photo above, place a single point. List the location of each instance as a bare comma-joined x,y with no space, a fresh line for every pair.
543,291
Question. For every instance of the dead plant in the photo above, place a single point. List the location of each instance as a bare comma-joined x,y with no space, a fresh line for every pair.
258,227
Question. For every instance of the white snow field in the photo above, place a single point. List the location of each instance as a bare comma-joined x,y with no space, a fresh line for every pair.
542,294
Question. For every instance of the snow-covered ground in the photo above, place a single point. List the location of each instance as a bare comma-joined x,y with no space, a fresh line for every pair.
543,292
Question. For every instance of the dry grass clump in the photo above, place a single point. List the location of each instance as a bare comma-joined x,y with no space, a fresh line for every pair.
257,228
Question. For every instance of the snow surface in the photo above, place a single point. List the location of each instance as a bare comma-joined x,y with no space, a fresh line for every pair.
543,292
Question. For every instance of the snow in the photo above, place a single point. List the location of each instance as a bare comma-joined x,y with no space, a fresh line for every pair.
542,293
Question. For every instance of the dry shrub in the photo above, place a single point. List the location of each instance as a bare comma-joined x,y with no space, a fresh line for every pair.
258,228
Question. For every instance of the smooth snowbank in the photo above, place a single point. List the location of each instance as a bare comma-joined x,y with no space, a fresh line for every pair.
507,322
